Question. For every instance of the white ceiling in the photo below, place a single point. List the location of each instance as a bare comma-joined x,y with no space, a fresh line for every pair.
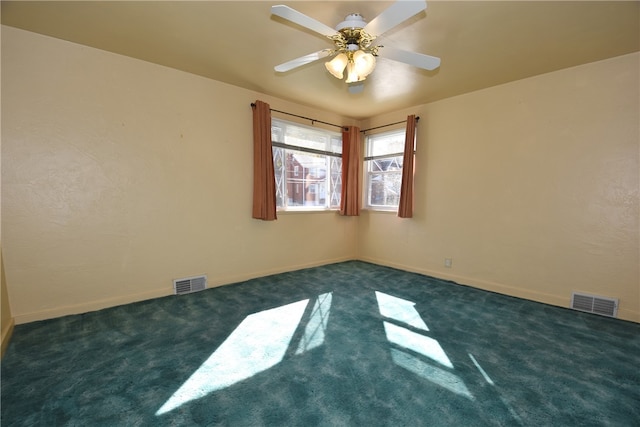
481,43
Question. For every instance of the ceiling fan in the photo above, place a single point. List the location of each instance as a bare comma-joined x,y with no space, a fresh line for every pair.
354,40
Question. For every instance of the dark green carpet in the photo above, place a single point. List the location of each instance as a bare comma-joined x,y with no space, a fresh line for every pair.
349,344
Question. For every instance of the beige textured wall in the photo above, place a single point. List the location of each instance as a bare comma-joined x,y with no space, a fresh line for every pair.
112,171
119,176
6,318
531,188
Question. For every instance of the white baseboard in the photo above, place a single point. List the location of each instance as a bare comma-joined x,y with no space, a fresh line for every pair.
500,288
632,316
157,293
555,300
89,306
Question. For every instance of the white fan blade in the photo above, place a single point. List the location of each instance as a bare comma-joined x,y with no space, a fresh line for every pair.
398,12
298,62
301,19
412,58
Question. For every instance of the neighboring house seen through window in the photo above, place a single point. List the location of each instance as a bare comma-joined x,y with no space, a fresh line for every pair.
383,168
308,166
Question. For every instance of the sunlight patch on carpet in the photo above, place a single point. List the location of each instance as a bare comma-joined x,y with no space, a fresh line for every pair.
436,375
410,340
412,349
401,310
486,377
316,327
257,344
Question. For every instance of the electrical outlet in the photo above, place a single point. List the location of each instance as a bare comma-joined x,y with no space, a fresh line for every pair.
448,262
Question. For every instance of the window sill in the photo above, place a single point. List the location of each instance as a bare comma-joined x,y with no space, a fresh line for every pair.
305,211
393,210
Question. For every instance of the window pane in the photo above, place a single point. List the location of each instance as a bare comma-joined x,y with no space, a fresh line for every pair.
306,179
384,171
384,189
335,144
387,143
302,136
386,164
277,133
336,182
279,170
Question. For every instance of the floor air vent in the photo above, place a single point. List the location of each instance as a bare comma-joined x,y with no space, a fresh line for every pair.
189,285
595,304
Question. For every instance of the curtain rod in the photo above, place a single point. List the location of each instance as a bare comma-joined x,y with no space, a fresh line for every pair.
331,124
389,124
303,117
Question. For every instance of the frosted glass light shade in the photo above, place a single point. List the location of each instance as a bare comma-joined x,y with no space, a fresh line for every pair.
352,74
364,63
337,65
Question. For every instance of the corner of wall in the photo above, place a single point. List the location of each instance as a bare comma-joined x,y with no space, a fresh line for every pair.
7,331
7,320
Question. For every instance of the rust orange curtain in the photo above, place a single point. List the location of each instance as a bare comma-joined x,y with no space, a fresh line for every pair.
264,181
405,206
351,160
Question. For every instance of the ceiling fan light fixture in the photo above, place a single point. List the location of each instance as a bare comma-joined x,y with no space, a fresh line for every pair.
354,40
352,73
360,65
353,20
364,63
337,65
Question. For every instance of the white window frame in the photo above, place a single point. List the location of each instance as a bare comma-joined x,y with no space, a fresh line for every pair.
369,164
285,149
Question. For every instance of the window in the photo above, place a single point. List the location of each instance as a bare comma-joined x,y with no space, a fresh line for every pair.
383,168
308,166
